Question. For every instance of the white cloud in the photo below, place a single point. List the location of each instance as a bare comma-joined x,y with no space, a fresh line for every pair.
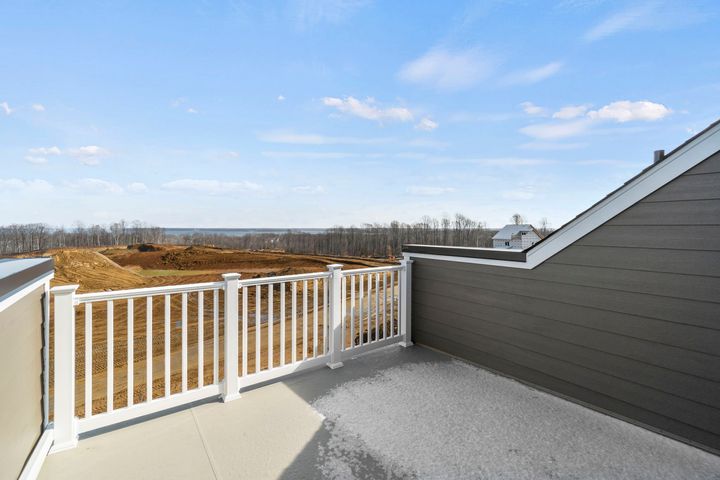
427,125
512,162
614,163
92,150
137,187
428,191
368,109
532,109
95,185
310,155
619,112
317,139
212,187
625,111
90,154
308,13
6,108
493,161
35,160
38,107
534,75
552,131
570,111
551,146
38,155
280,98
617,22
309,189
182,102
449,70
651,15
522,193
33,186
45,151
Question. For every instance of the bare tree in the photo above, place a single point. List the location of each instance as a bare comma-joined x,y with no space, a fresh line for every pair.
545,226
517,219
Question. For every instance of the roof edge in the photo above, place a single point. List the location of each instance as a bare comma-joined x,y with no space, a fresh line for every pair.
681,159
510,255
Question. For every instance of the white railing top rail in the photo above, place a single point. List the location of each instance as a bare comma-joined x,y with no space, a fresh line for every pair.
196,287
146,292
283,278
389,268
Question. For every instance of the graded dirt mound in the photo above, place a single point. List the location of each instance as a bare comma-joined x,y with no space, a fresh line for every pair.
249,263
92,271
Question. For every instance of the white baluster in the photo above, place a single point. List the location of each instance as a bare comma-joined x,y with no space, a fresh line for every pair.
148,350
88,360
201,339
110,356
131,352
270,326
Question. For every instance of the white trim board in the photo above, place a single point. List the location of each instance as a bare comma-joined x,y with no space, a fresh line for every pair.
20,292
660,175
34,463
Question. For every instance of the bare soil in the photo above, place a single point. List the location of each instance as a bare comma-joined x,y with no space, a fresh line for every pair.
140,266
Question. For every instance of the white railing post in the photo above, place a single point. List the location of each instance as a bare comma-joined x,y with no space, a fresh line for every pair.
65,427
405,299
335,331
230,387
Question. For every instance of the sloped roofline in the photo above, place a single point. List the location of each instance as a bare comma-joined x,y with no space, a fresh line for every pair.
678,161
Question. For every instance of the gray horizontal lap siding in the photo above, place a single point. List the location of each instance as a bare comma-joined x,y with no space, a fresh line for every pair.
626,320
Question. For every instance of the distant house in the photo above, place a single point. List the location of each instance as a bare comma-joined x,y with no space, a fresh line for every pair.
516,236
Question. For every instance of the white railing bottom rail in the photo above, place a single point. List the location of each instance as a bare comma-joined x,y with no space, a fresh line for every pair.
137,352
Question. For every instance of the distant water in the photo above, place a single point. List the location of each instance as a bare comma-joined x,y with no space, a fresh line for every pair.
239,232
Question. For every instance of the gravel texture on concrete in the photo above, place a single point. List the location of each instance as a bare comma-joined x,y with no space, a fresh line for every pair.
452,420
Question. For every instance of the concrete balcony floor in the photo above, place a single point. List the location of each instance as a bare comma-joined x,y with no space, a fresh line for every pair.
392,413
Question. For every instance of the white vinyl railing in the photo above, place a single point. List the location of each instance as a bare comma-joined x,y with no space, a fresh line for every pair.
136,352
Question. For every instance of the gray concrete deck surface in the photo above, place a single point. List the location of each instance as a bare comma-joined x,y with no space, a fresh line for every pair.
392,413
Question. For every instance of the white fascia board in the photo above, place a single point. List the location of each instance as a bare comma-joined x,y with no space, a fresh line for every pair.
20,292
478,261
669,169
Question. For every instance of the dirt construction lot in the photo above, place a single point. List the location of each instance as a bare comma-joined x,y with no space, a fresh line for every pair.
150,265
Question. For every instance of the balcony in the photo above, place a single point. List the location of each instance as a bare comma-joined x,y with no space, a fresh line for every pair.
391,413
138,386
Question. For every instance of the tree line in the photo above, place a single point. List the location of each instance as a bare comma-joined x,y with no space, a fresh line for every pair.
30,237
368,240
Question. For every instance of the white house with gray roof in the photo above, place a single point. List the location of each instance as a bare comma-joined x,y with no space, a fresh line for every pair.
516,236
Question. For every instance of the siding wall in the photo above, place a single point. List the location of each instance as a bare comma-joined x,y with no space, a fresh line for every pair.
21,412
626,320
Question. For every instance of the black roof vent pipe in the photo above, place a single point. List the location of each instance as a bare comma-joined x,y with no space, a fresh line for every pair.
658,156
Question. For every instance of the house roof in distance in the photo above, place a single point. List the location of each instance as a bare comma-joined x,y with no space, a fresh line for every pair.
508,231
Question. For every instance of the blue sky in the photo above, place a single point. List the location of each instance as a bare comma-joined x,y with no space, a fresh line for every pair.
318,113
